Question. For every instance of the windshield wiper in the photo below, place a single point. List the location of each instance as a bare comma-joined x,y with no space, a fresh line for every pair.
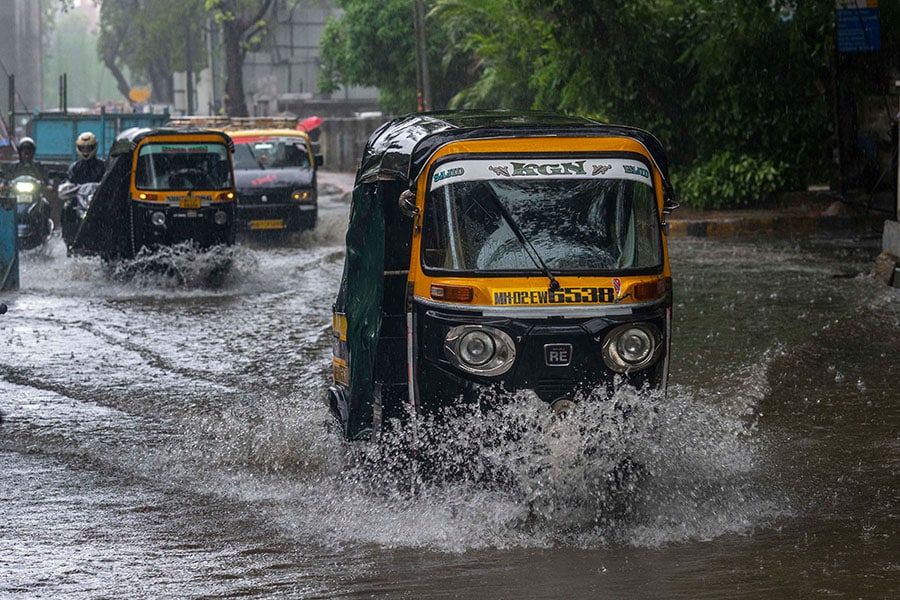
482,191
256,160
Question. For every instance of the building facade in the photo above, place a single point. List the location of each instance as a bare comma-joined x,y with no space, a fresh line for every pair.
281,75
20,59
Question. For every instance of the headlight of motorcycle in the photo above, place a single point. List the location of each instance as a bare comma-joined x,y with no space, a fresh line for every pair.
631,347
24,187
480,350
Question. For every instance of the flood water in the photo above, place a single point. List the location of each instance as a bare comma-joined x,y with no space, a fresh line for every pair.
172,441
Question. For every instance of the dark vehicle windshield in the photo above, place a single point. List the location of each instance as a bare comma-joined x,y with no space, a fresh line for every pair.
605,221
183,166
271,154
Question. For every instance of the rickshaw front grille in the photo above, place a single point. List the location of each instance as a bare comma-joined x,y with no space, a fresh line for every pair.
553,388
272,197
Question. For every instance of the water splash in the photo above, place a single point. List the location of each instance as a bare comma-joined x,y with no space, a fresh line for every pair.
179,265
638,470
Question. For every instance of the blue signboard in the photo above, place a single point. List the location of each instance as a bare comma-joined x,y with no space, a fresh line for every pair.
857,26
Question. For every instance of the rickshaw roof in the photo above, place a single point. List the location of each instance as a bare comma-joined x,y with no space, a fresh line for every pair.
128,140
400,148
252,135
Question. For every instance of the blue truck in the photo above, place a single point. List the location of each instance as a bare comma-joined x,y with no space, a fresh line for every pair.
54,133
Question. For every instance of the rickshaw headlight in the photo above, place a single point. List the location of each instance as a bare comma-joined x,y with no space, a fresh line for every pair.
302,195
631,347
158,219
476,348
480,350
220,217
24,187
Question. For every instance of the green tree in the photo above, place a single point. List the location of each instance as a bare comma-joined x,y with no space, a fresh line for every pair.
149,38
243,27
738,91
496,42
152,39
372,44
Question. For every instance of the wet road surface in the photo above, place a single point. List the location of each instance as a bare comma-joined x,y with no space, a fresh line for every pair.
171,441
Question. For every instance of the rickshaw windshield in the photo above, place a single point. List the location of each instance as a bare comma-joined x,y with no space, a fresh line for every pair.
574,222
271,154
183,166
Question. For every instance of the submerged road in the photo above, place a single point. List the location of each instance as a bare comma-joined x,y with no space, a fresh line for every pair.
163,441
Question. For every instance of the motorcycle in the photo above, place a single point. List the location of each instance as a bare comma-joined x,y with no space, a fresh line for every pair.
76,198
32,212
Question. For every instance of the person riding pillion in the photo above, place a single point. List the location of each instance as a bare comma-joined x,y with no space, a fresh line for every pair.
88,168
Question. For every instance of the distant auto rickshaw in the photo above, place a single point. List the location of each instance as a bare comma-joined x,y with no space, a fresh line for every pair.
500,252
275,172
162,187
275,168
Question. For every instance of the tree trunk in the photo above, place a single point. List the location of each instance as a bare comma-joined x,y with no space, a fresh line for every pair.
162,85
235,29
235,104
121,83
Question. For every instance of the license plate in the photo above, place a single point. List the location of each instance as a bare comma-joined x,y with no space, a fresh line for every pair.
267,224
189,202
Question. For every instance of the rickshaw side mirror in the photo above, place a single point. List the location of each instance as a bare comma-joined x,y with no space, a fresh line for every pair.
407,203
669,206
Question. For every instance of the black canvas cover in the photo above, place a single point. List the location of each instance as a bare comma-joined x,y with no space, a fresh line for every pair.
361,294
400,148
106,229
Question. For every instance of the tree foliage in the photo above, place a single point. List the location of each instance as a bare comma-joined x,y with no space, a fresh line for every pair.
748,80
148,38
373,44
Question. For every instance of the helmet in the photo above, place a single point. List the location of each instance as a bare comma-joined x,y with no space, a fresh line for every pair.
26,143
86,145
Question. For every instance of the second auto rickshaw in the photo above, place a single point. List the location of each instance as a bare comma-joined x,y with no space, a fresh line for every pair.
161,187
499,252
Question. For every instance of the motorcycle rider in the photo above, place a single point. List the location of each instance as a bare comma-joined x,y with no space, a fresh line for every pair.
27,165
81,180
88,168
34,221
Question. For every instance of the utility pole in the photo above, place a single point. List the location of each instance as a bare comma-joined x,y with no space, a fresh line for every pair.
189,70
423,83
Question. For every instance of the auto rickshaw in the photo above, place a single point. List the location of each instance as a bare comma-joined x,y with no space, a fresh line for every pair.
275,170
275,167
161,187
494,252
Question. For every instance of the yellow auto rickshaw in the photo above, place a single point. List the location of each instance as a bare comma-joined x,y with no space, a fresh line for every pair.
494,252
161,187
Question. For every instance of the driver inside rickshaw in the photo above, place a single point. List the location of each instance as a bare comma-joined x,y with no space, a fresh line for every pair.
570,226
182,171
